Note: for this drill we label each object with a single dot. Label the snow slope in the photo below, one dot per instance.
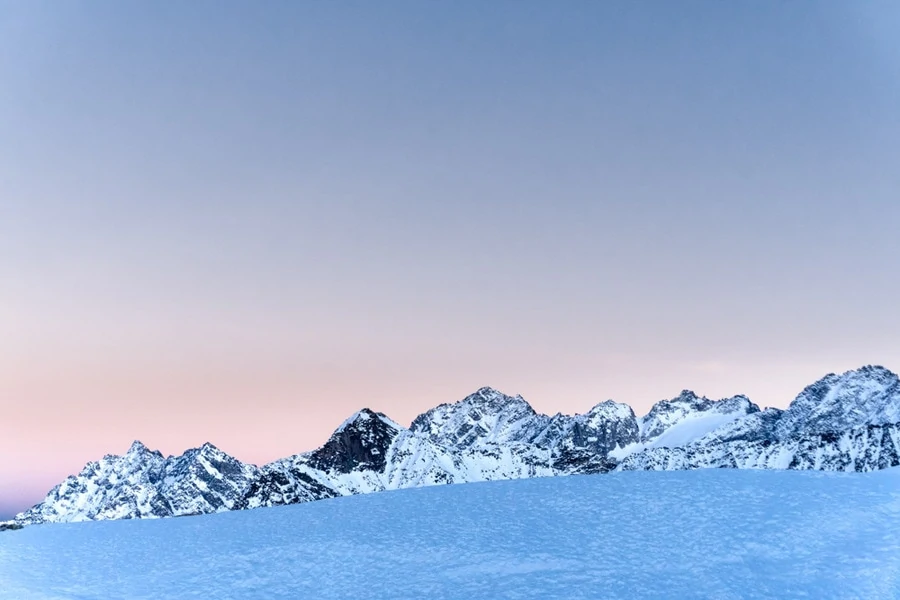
(717, 533)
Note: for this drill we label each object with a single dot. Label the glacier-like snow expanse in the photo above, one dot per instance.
(716, 533)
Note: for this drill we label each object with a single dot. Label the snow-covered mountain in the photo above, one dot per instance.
(848, 422)
(673, 422)
(142, 483)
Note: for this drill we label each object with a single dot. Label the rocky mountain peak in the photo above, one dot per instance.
(611, 409)
(487, 400)
(875, 371)
(361, 442)
(487, 416)
(666, 414)
(606, 426)
(138, 449)
(204, 480)
(366, 419)
(868, 395)
(490, 394)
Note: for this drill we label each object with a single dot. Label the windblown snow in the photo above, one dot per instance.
(715, 533)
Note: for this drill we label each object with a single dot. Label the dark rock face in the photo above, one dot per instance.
(582, 462)
(606, 426)
(848, 422)
(278, 488)
(861, 449)
(359, 444)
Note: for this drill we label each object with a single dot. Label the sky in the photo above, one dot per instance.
(240, 223)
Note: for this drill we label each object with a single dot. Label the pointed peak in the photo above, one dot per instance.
(366, 417)
(490, 394)
(362, 415)
(609, 402)
(488, 400)
(137, 447)
(613, 409)
(867, 395)
(360, 442)
(687, 399)
(207, 448)
(207, 451)
(139, 450)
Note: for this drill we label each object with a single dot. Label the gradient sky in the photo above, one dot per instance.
(240, 223)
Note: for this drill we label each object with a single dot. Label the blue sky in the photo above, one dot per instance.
(240, 223)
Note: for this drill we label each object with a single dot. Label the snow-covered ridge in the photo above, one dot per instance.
(143, 484)
(848, 422)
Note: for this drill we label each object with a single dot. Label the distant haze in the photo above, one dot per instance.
(240, 223)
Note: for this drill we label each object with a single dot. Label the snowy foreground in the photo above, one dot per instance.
(716, 533)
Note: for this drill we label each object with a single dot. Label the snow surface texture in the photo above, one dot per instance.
(848, 422)
(715, 533)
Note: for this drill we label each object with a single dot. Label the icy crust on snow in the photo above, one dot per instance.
(717, 533)
(843, 422)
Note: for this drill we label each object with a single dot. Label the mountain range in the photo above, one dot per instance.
(847, 422)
